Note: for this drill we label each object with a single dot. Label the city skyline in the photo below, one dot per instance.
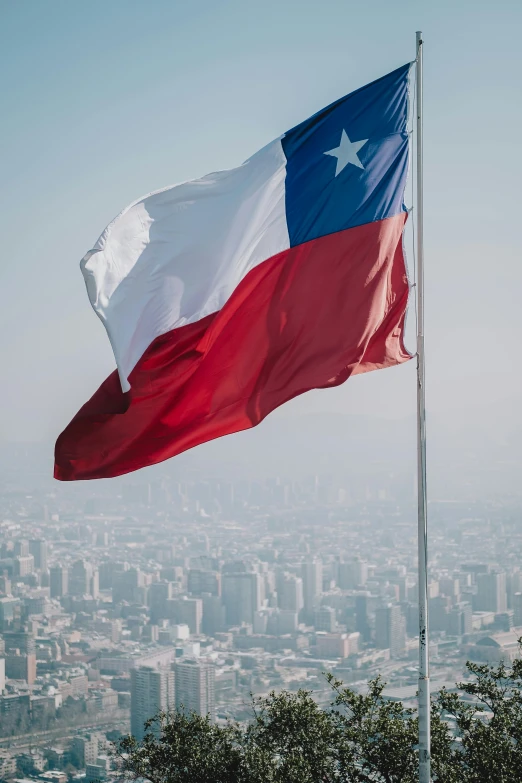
(264, 561)
(197, 593)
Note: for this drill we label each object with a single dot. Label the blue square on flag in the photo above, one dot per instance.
(347, 165)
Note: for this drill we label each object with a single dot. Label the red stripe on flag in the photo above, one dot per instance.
(307, 318)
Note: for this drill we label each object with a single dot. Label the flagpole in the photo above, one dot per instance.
(424, 681)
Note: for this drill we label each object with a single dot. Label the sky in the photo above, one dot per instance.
(106, 100)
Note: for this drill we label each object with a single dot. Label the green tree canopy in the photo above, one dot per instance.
(360, 738)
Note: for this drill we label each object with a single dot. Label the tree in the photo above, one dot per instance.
(290, 740)
(190, 749)
(376, 737)
(490, 727)
(361, 738)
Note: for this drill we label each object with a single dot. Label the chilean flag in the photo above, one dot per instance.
(226, 296)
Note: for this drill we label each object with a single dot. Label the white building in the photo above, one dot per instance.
(152, 691)
(195, 687)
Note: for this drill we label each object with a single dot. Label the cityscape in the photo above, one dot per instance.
(230, 549)
(121, 599)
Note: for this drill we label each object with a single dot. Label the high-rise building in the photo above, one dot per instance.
(325, 619)
(201, 581)
(474, 569)
(312, 574)
(107, 570)
(84, 750)
(23, 565)
(20, 660)
(80, 577)
(362, 621)
(242, 596)
(517, 610)
(235, 567)
(513, 586)
(58, 581)
(214, 615)
(22, 641)
(159, 594)
(332, 645)
(16, 708)
(352, 574)
(10, 613)
(290, 592)
(38, 549)
(439, 608)
(195, 687)
(449, 586)
(126, 583)
(21, 548)
(190, 612)
(491, 592)
(2, 675)
(95, 584)
(5, 584)
(280, 622)
(460, 619)
(21, 667)
(269, 584)
(390, 629)
(152, 691)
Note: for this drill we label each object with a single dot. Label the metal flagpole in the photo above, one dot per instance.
(424, 681)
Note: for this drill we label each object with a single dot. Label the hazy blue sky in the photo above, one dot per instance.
(105, 100)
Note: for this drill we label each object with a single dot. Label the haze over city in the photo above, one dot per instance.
(263, 558)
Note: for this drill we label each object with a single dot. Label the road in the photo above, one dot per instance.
(42, 737)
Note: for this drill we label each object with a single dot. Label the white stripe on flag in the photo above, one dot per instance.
(176, 255)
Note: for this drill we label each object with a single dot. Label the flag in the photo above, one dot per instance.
(226, 296)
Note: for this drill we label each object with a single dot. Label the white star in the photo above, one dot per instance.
(346, 153)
